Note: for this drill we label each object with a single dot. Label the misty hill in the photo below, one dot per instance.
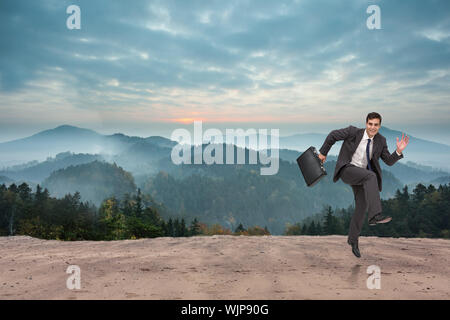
(147, 156)
(5, 180)
(48, 143)
(292, 155)
(78, 140)
(440, 180)
(407, 173)
(19, 167)
(38, 171)
(95, 181)
(143, 157)
(303, 141)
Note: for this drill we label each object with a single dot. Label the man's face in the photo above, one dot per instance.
(372, 127)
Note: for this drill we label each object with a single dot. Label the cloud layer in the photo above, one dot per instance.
(224, 61)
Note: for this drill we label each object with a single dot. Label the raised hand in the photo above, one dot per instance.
(401, 145)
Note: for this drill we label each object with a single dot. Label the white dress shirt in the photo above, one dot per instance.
(359, 158)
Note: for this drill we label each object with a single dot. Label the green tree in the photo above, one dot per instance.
(331, 223)
(319, 229)
(170, 228)
(111, 220)
(240, 228)
(137, 206)
(304, 229)
(194, 228)
(312, 229)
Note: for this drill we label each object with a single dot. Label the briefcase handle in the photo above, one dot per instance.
(317, 157)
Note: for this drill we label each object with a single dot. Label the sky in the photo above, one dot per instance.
(148, 67)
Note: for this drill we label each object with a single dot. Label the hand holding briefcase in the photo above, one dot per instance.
(311, 166)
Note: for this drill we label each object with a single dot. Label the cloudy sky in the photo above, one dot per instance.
(148, 67)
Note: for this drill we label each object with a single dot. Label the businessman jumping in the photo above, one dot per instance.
(358, 166)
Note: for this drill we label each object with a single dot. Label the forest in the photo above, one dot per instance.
(423, 213)
(39, 215)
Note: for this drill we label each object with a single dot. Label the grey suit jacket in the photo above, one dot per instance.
(352, 137)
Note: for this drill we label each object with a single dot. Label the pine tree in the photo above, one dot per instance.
(319, 230)
(240, 228)
(419, 192)
(183, 230)
(194, 228)
(11, 200)
(112, 221)
(138, 207)
(176, 227)
(330, 223)
(312, 229)
(304, 229)
(13, 188)
(170, 228)
(24, 192)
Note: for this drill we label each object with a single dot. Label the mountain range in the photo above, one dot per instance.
(68, 159)
(50, 142)
(40, 154)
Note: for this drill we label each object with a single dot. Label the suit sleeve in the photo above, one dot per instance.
(336, 135)
(387, 157)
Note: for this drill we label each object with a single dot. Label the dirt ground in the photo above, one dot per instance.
(225, 267)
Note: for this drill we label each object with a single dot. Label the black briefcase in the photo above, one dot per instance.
(311, 166)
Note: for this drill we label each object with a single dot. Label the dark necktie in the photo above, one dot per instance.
(368, 155)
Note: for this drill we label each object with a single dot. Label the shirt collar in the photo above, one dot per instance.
(366, 136)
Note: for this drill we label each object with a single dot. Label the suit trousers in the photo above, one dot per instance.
(367, 196)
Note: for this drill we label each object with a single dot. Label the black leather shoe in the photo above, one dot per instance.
(379, 219)
(355, 248)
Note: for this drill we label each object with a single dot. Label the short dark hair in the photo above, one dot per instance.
(373, 115)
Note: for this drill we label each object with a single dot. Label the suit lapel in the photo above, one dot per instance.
(376, 144)
(358, 138)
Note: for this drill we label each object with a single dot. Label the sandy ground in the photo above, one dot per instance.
(225, 267)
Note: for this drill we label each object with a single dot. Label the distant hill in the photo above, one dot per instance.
(407, 173)
(64, 138)
(5, 180)
(36, 171)
(291, 155)
(303, 141)
(95, 181)
(144, 156)
(50, 142)
(441, 180)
